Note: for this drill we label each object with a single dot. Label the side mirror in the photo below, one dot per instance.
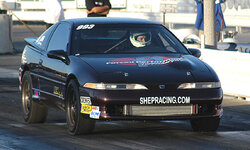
(195, 52)
(59, 54)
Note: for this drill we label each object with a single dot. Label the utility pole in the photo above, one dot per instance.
(209, 23)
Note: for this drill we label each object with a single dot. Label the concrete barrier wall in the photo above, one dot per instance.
(5, 34)
(233, 69)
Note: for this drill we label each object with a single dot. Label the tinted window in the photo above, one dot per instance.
(124, 39)
(60, 38)
(42, 41)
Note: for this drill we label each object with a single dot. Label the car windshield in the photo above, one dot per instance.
(122, 38)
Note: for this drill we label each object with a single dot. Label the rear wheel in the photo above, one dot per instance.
(205, 124)
(76, 123)
(33, 112)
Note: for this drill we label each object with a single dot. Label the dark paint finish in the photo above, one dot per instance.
(51, 70)
(171, 72)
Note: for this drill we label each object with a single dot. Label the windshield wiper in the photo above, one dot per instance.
(86, 53)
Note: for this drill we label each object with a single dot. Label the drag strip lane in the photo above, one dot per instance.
(8, 73)
(234, 132)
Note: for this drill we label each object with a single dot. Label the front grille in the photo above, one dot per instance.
(169, 86)
(139, 110)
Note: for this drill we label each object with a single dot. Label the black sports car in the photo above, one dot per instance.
(117, 69)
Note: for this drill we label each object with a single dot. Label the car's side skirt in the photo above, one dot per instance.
(52, 80)
(56, 91)
(48, 99)
(44, 92)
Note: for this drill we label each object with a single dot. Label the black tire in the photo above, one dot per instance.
(205, 124)
(33, 112)
(76, 122)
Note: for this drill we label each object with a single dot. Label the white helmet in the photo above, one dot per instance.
(134, 38)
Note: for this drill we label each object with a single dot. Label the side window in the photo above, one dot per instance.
(60, 38)
(167, 42)
(42, 41)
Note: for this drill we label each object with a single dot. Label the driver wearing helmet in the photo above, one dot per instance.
(140, 39)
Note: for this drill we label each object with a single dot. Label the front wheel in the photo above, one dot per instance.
(76, 122)
(205, 124)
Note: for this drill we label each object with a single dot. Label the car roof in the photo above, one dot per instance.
(109, 20)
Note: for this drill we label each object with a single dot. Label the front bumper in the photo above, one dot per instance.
(127, 105)
(20, 77)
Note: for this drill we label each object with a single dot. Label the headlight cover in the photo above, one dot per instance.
(200, 85)
(113, 86)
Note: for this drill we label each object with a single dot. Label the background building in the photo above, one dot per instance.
(236, 12)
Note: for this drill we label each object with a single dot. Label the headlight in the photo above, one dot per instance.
(200, 85)
(103, 86)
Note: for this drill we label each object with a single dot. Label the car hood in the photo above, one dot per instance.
(128, 68)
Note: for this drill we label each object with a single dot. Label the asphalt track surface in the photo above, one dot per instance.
(15, 134)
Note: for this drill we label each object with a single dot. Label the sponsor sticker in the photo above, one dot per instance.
(86, 109)
(40, 40)
(85, 100)
(95, 108)
(165, 100)
(95, 114)
(57, 91)
(85, 27)
(144, 61)
(36, 93)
